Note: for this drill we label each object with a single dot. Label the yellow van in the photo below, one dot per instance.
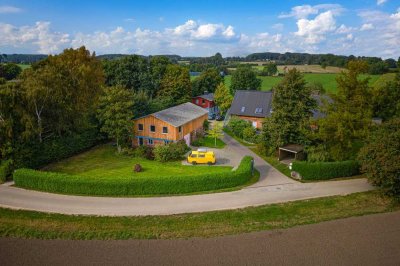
(201, 156)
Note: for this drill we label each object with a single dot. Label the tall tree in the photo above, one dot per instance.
(270, 69)
(62, 90)
(9, 71)
(223, 98)
(176, 85)
(386, 104)
(348, 115)
(244, 78)
(292, 107)
(115, 114)
(216, 132)
(207, 81)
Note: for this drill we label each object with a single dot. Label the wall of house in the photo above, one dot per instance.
(158, 137)
(203, 102)
(258, 120)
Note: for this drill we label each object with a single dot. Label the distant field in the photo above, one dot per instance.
(24, 66)
(301, 68)
(327, 80)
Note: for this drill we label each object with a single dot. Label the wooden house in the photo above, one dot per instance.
(180, 122)
(206, 101)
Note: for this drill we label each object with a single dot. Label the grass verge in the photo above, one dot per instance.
(29, 224)
(274, 162)
(208, 142)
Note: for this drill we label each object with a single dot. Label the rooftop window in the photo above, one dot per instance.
(243, 109)
(258, 110)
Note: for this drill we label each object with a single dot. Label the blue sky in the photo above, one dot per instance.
(202, 28)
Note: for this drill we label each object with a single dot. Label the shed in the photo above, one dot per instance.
(291, 152)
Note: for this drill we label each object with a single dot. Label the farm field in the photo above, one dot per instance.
(327, 80)
(24, 66)
(103, 163)
(303, 68)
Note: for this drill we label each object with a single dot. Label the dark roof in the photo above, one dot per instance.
(180, 114)
(295, 148)
(208, 96)
(246, 102)
(320, 98)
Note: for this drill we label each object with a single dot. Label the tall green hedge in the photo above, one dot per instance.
(5, 170)
(73, 184)
(34, 154)
(325, 170)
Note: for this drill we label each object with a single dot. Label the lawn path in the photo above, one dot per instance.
(273, 187)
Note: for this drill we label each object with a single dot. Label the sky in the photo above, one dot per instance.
(202, 28)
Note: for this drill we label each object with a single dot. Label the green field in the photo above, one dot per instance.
(29, 224)
(103, 163)
(24, 66)
(327, 80)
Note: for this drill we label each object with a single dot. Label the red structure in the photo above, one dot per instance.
(206, 101)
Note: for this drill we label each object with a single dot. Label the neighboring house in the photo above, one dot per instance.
(254, 106)
(180, 122)
(251, 105)
(207, 101)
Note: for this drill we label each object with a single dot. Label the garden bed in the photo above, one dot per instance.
(102, 172)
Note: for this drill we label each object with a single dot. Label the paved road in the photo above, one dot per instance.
(273, 187)
(368, 240)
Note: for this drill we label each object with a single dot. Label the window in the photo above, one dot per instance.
(203, 101)
(243, 109)
(140, 127)
(193, 155)
(258, 110)
(197, 101)
(165, 130)
(140, 141)
(180, 129)
(153, 128)
(150, 141)
(202, 155)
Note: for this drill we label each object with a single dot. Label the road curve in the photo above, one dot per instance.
(273, 187)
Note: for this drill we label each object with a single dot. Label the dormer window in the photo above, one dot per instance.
(243, 109)
(259, 110)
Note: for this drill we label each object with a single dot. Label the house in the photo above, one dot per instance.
(180, 122)
(251, 105)
(254, 106)
(207, 101)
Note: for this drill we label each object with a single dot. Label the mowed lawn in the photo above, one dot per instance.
(328, 81)
(103, 162)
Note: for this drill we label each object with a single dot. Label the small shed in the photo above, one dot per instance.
(291, 152)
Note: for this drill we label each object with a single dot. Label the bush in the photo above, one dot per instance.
(317, 154)
(249, 134)
(145, 152)
(78, 185)
(171, 151)
(35, 155)
(237, 126)
(206, 125)
(325, 170)
(5, 170)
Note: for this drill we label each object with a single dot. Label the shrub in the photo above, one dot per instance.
(237, 126)
(249, 134)
(137, 168)
(145, 152)
(206, 125)
(73, 184)
(325, 170)
(5, 170)
(317, 154)
(171, 151)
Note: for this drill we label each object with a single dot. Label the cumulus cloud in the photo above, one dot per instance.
(343, 29)
(314, 30)
(39, 35)
(304, 11)
(9, 9)
(367, 26)
(203, 31)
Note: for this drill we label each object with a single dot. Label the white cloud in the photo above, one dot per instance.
(203, 31)
(304, 11)
(278, 26)
(343, 29)
(38, 35)
(367, 26)
(314, 30)
(9, 9)
(380, 2)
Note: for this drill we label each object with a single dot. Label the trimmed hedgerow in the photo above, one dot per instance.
(74, 184)
(5, 170)
(326, 170)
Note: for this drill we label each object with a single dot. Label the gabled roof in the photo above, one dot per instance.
(208, 96)
(180, 114)
(247, 102)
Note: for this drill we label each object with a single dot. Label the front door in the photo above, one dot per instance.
(140, 141)
(187, 139)
(254, 123)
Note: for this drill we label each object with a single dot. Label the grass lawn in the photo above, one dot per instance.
(24, 66)
(209, 142)
(102, 162)
(29, 224)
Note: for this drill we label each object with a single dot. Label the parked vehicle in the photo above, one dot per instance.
(201, 156)
(219, 117)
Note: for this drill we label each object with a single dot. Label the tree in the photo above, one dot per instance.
(348, 115)
(216, 132)
(207, 81)
(158, 67)
(115, 113)
(244, 78)
(9, 71)
(270, 69)
(378, 68)
(292, 107)
(386, 104)
(62, 90)
(223, 98)
(380, 157)
(141, 104)
(176, 84)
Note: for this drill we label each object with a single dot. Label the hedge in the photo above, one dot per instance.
(35, 154)
(78, 185)
(5, 170)
(325, 170)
